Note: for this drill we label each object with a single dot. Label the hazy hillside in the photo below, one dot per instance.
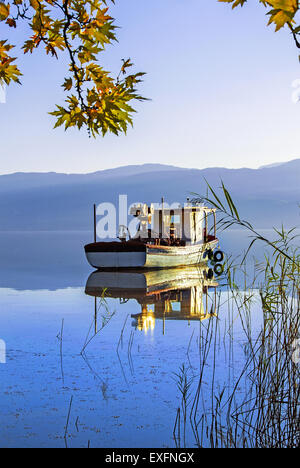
(21, 180)
(267, 196)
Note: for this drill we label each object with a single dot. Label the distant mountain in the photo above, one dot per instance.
(271, 165)
(28, 180)
(267, 196)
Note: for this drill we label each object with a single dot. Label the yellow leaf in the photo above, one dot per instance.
(287, 5)
(4, 11)
(280, 18)
(35, 4)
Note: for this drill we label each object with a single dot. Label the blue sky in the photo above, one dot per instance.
(220, 83)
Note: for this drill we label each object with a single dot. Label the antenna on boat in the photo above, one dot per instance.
(95, 223)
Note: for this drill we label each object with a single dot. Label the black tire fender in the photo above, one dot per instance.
(219, 269)
(210, 274)
(218, 256)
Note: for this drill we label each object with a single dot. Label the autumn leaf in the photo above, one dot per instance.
(11, 22)
(68, 84)
(81, 30)
(4, 11)
(280, 18)
(281, 13)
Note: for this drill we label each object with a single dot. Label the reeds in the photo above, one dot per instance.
(259, 406)
(184, 381)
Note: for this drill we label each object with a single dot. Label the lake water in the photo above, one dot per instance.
(110, 365)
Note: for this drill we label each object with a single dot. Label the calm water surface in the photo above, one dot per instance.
(123, 386)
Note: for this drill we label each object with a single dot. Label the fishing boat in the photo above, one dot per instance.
(165, 238)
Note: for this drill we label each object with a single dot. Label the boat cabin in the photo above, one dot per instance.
(165, 237)
(179, 226)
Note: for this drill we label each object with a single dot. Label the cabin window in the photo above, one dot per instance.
(175, 219)
(176, 306)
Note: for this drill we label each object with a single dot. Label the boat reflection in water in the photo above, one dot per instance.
(170, 294)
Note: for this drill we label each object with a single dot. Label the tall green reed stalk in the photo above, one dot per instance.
(266, 413)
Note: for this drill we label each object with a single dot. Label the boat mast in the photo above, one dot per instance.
(95, 223)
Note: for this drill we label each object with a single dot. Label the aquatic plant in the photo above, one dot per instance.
(261, 407)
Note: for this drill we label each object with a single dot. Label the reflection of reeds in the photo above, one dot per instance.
(60, 338)
(106, 317)
(176, 430)
(120, 342)
(122, 332)
(67, 423)
(130, 343)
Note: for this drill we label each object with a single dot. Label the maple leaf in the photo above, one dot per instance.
(4, 11)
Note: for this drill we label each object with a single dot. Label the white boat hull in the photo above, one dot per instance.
(153, 257)
(116, 259)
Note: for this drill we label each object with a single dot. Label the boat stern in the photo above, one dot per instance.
(115, 255)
